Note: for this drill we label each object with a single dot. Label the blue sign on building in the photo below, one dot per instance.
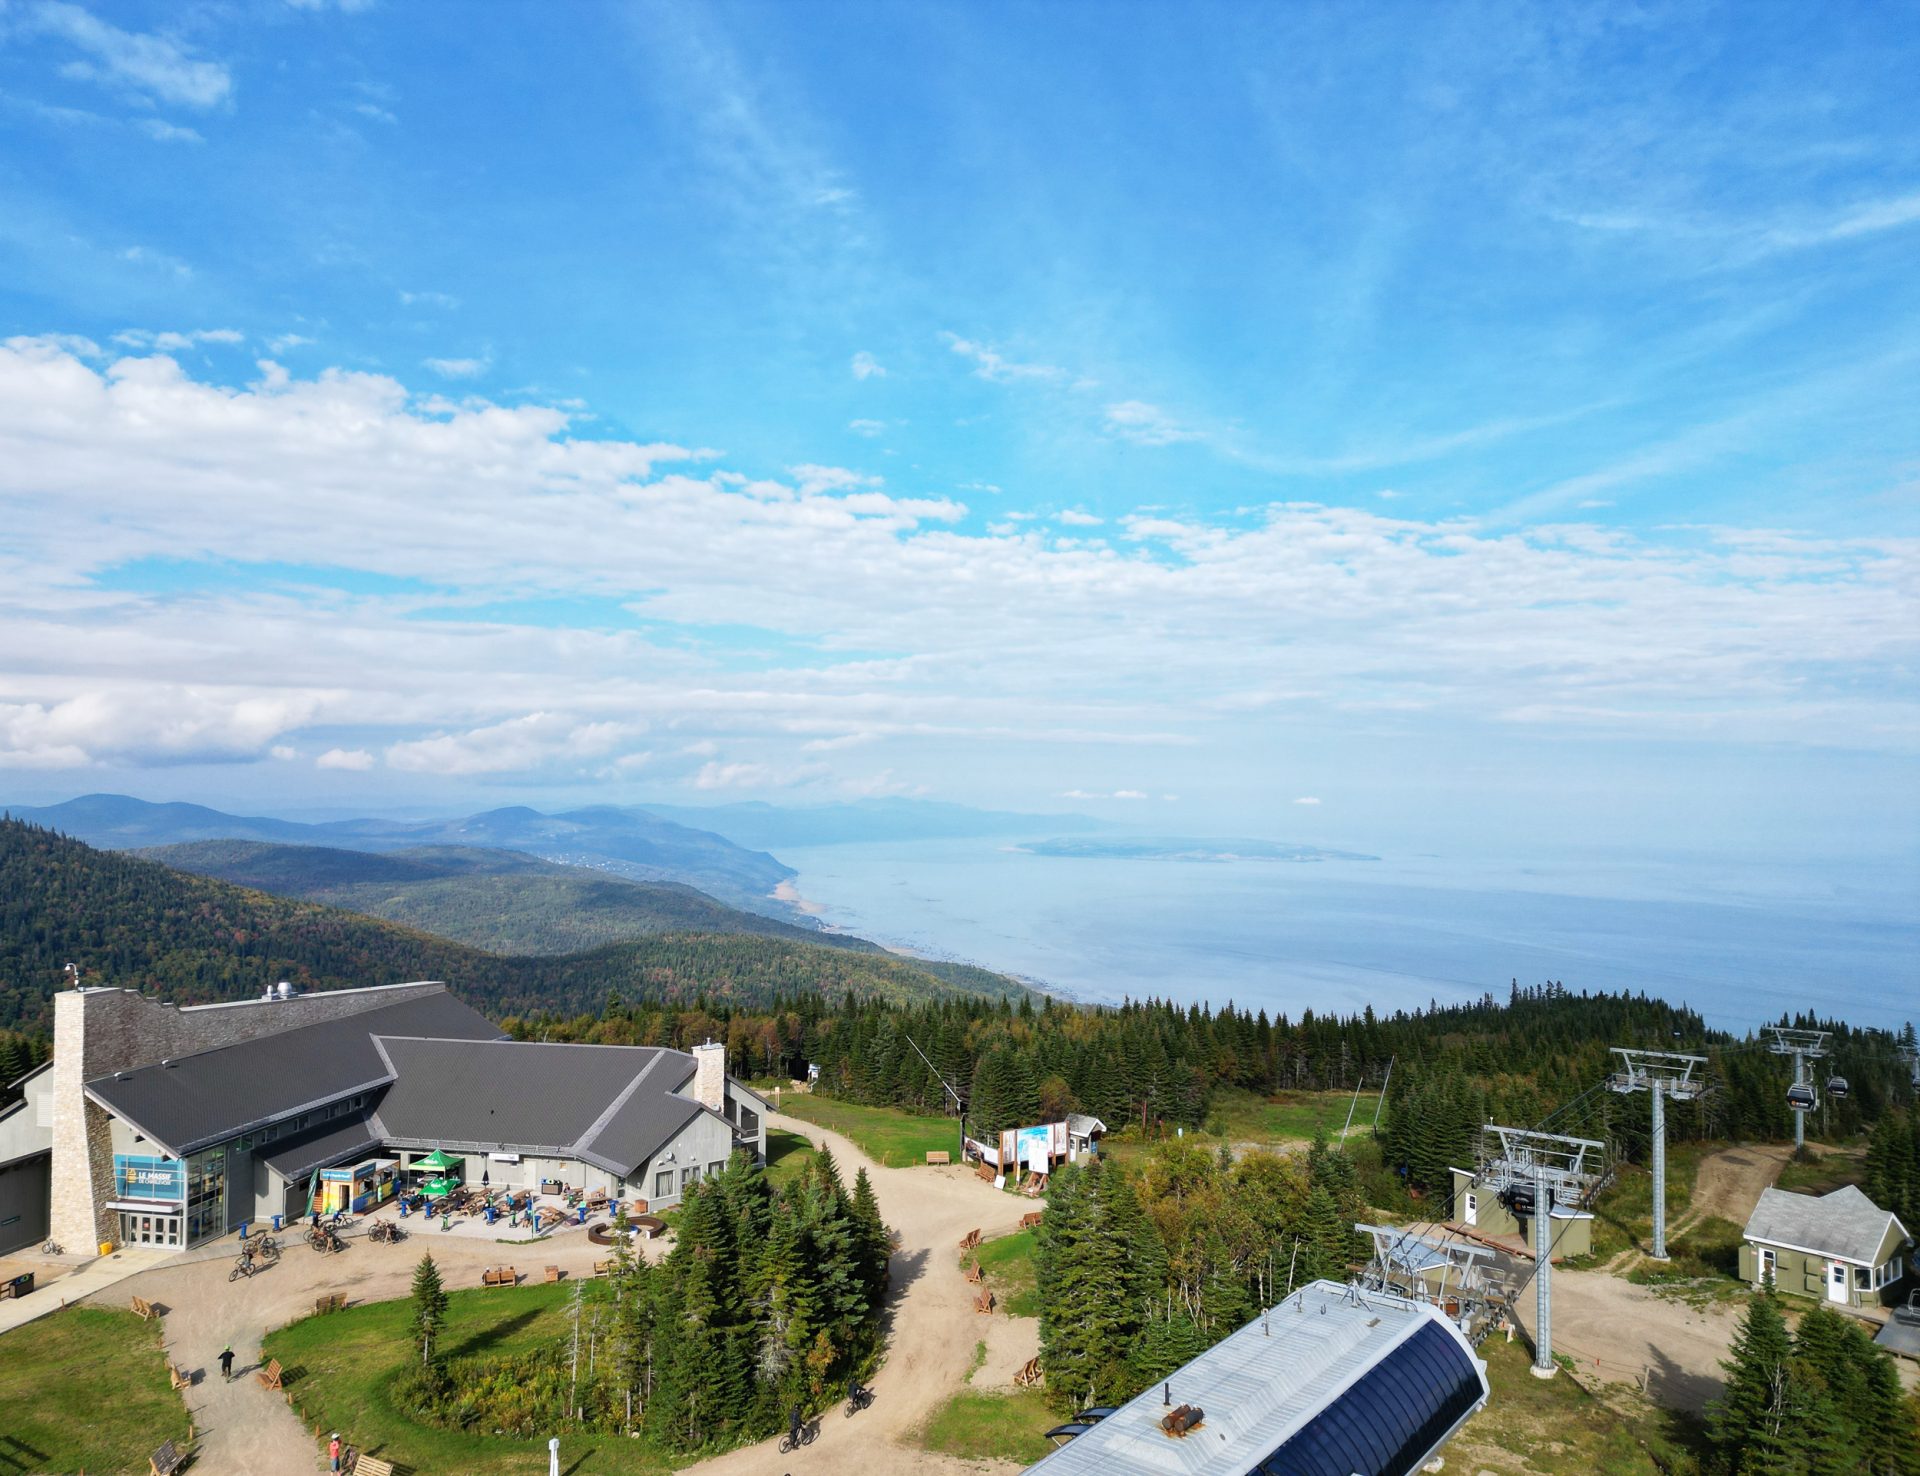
(136, 1176)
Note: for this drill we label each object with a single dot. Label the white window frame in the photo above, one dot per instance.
(1768, 1266)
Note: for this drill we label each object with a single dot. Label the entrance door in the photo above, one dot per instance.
(1837, 1282)
(1472, 1216)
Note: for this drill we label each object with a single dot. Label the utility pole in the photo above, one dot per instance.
(1383, 1091)
(1547, 1168)
(1803, 1046)
(1662, 1074)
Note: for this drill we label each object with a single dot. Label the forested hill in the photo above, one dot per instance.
(498, 900)
(137, 924)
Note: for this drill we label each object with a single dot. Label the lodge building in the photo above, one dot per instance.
(164, 1125)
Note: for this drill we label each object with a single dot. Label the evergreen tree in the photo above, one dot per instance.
(1747, 1425)
(429, 1306)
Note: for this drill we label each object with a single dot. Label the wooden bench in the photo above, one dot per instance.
(605, 1268)
(499, 1276)
(1027, 1222)
(970, 1240)
(181, 1378)
(1029, 1374)
(650, 1225)
(144, 1310)
(939, 1155)
(975, 1275)
(367, 1465)
(166, 1460)
(597, 1200)
(331, 1302)
(984, 1302)
(269, 1376)
(553, 1273)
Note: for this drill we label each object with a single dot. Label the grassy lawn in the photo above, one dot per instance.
(1704, 1265)
(341, 1368)
(1822, 1173)
(1287, 1117)
(85, 1389)
(1007, 1261)
(978, 1426)
(1555, 1426)
(885, 1134)
(787, 1154)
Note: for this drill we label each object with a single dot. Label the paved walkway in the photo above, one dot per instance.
(76, 1280)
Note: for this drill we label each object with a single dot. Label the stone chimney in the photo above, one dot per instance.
(710, 1076)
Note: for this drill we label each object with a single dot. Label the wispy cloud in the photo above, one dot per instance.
(867, 428)
(149, 64)
(375, 112)
(162, 131)
(173, 343)
(353, 760)
(865, 366)
(429, 299)
(460, 368)
(989, 363)
(1073, 517)
(1307, 799)
(1146, 425)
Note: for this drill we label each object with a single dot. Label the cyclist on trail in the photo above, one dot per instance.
(793, 1424)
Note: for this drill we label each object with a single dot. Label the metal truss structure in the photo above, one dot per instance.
(1430, 1268)
(1661, 1074)
(1803, 1046)
(1557, 1170)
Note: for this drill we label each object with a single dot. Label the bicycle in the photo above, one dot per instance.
(792, 1441)
(269, 1248)
(244, 1266)
(52, 1248)
(859, 1399)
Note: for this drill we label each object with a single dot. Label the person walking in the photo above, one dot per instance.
(333, 1451)
(226, 1363)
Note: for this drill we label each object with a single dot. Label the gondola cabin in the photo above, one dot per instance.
(1837, 1087)
(1800, 1096)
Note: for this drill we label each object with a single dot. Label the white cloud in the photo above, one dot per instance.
(161, 131)
(429, 299)
(148, 257)
(355, 760)
(152, 65)
(282, 342)
(173, 343)
(1307, 799)
(283, 751)
(1118, 794)
(865, 366)
(734, 776)
(804, 610)
(990, 363)
(868, 428)
(375, 112)
(1145, 425)
(459, 368)
(1074, 518)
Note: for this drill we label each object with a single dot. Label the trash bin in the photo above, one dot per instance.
(245, 1226)
(276, 1222)
(21, 1284)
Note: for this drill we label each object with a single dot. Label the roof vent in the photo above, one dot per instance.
(166, 1063)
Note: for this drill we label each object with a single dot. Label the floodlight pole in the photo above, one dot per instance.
(1555, 1167)
(1661, 1074)
(1803, 1046)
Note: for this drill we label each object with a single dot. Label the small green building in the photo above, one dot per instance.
(1839, 1247)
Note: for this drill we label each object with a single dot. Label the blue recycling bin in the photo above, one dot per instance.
(245, 1225)
(276, 1222)
(580, 1215)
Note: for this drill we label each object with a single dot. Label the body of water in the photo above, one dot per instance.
(1740, 944)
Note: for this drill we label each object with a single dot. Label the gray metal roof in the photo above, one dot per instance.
(608, 1105)
(1270, 1382)
(1845, 1224)
(199, 1100)
(300, 1156)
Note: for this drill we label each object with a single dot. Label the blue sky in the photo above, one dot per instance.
(1482, 421)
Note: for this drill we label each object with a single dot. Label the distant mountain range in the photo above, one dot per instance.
(504, 901)
(632, 843)
(1177, 848)
(127, 921)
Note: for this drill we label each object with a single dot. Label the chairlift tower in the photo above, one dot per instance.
(1403, 1261)
(1555, 1169)
(1661, 1074)
(1803, 1046)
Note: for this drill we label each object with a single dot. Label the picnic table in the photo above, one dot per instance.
(499, 1276)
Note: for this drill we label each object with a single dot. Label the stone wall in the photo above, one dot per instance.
(97, 1031)
(710, 1075)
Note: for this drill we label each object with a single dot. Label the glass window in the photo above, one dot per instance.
(687, 1176)
(715, 1170)
(663, 1184)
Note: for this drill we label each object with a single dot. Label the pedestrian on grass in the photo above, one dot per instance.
(226, 1363)
(333, 1451)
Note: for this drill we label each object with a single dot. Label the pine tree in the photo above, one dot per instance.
(429, 1306)
(1746, 1425)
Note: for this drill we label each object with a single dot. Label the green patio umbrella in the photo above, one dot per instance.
(434, 1188)
(436, 1160)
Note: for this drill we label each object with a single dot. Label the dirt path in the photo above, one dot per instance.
(1727, 1186)
(932, 1327)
